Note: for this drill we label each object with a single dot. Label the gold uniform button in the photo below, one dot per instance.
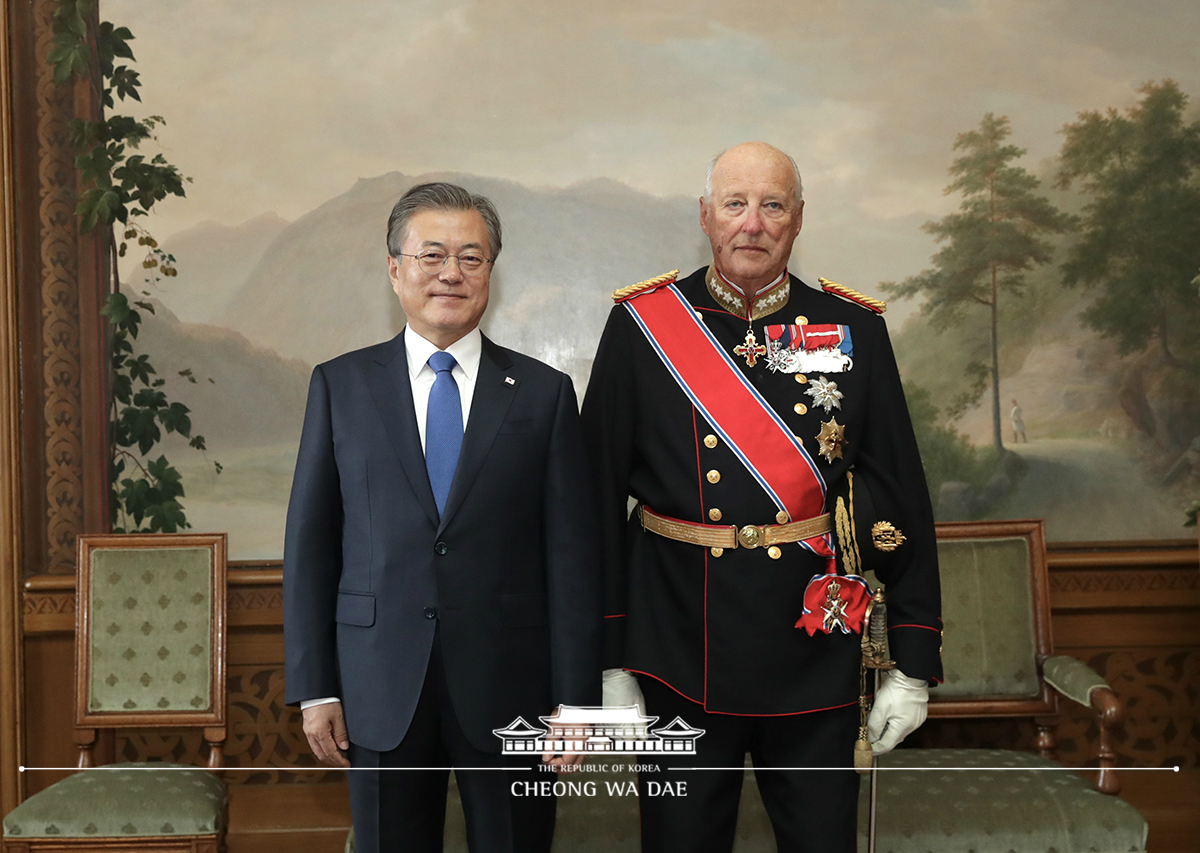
(716, 552)
(774, 553)
(801, 408)
(714, 514)
(799, 439)
(801, 378)
(781, 517)
(710, 441)
(801, 320)
(714, 476)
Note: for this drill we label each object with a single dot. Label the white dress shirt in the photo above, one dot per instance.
(467, 351)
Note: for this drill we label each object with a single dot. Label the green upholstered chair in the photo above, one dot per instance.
(149, 653)
(999, 661)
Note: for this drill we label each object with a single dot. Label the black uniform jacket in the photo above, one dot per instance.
(720, 629)
(509, 575)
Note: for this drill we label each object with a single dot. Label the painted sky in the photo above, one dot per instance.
(279, 106)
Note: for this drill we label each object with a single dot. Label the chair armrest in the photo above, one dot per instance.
(1072, 678)
(1080, 683)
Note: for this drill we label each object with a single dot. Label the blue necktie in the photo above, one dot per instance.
(443, 428)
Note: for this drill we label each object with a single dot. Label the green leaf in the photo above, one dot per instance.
(175, 419)
(150, 398)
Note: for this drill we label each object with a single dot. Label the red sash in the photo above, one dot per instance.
(734, 407)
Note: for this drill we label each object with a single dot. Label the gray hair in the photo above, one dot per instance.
(713, 164)
(440, 195)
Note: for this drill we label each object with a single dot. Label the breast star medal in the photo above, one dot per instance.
(750, 348)
(830, 439)
(824, 393)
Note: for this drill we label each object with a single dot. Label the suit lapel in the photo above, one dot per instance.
(392, 392)
(493, 396)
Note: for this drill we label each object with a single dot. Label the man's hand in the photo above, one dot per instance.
(900, 707)
(559, 761)
(621, 690)
(325, 728)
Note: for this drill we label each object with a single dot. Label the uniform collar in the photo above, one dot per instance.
(733, 299)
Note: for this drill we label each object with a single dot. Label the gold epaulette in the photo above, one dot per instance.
(876, 305)
(643, 286)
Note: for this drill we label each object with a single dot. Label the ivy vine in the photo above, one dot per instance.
(120, 184)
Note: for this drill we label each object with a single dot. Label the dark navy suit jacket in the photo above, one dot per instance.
(509, 575)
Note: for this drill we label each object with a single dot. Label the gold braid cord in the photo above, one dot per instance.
(649, 284)
(845, 537)
(853, 530)
(876, 305)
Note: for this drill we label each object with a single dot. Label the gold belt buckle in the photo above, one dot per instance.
(752, 536)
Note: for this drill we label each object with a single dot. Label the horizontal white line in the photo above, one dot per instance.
(1174, 769)
(259, 769)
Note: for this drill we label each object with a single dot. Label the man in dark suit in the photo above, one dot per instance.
(761, 426)
(440, 563)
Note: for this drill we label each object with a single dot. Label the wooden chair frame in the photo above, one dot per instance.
(88, 722)
(212, 721)
(1043, 708)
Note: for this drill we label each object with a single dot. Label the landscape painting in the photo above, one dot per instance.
(1021, 182)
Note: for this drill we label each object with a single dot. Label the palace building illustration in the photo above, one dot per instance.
(620, 729)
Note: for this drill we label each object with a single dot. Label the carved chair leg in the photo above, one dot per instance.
(1110, 713)
(1047, 739)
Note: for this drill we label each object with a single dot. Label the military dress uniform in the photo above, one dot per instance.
(711, 631)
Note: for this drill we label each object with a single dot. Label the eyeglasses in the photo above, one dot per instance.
(433, 261)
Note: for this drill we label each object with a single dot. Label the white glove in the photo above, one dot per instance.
(900, 706)
(621, 690)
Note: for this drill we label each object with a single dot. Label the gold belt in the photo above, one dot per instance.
(731, 536)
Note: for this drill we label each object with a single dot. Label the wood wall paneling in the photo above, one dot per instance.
(11, 672)
(1133, 617)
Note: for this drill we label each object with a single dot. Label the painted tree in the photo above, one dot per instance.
(1140, 242)
(996, 236)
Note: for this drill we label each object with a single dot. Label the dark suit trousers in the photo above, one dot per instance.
(812, 811)
(405, 810)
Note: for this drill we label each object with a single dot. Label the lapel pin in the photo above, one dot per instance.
(508, 380)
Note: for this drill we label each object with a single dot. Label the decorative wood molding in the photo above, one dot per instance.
(12, 782)
(60, 343)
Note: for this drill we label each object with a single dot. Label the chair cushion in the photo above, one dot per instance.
(130, 799)
(1026, 803)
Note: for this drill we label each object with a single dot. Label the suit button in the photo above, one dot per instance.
(710, 441)
(441, 548)
(430, 612)
(801, 409)
(713, 476)
(714, 514)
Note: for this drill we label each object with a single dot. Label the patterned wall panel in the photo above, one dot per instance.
(60, 344)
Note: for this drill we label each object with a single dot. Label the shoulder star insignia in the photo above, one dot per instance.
(645, 286)
(876, 305)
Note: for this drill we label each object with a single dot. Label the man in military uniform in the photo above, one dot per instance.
(761, 426)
